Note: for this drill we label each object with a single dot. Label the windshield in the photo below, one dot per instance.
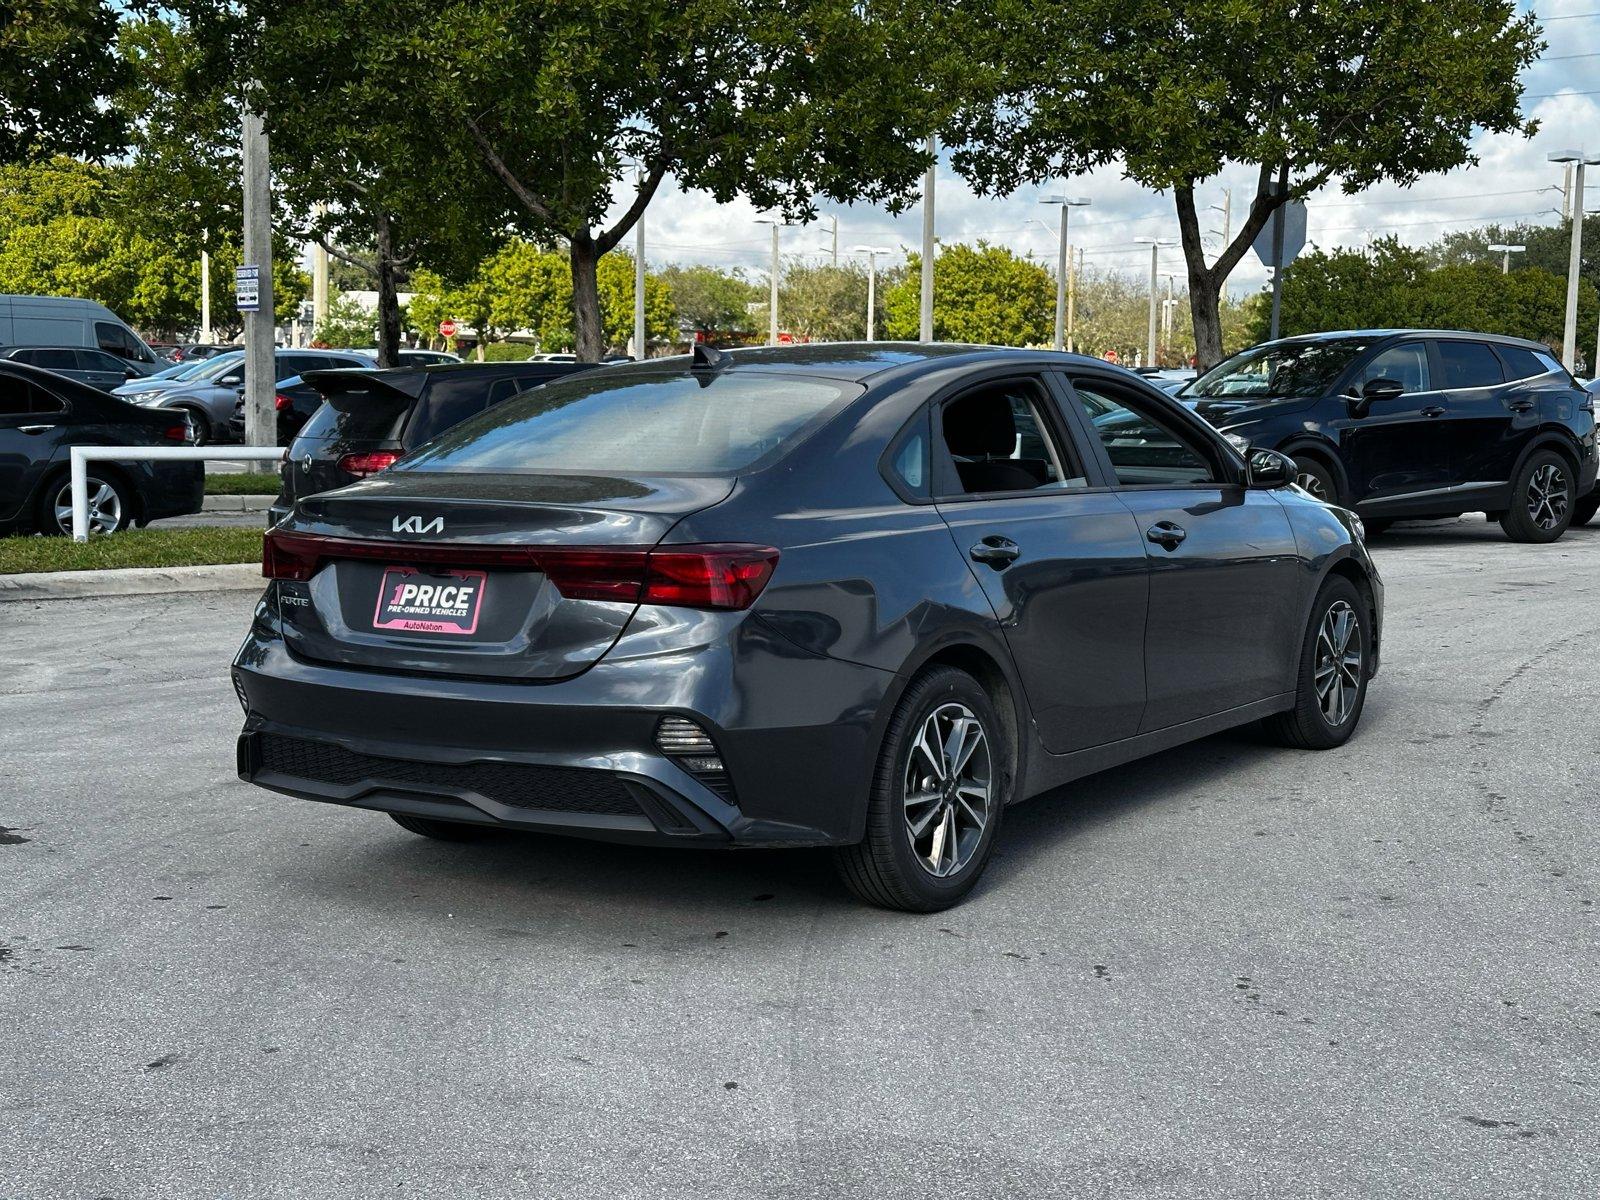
(1279, 370)
(658, 424)
(210, 368)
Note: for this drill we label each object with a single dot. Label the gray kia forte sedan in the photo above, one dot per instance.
(861, 596)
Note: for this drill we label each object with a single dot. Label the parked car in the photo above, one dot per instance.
(863, 596)
(43, 415)
(207, 350)
(177, 375)
(370, 418)
(210, 396)
(424, 358)
(66, 321)
(1401, 424)
(94, 367)
(555, 358)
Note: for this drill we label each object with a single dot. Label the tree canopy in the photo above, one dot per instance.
(981, 293)
(57, 65)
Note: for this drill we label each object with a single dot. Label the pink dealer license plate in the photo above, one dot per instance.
(414, 601)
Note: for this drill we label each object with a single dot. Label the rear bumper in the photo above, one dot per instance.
(796, 733)
(169, 489)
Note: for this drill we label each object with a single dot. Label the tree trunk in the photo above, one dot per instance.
(586, 324)
(388, 297)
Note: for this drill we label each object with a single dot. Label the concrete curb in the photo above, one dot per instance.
(130, 581)
(247, 504)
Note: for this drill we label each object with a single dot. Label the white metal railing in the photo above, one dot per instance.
(83, 455)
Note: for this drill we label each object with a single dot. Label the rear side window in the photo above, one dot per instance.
(19, 398)
(651, 424)
(450, 400)
(1469, 365)
(1406, 364)
(1520, 363)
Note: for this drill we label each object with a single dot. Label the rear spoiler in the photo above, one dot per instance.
(367, 383)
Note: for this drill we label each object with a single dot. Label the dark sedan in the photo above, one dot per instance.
(858, 596)
(42, 416)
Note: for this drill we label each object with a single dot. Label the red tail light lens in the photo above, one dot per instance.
(370, 463)
(282, 402)
(719, 576)
(179, 433)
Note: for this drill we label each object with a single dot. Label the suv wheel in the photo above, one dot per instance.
(110, 506)
(1313, 477)
(940, 788)
(1332, 684)
(1541, 499)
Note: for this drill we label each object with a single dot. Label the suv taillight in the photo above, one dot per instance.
(179, 433)
(369, 462)
(280, 402)
(727, 576)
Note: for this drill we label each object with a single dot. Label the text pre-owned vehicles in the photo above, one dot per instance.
(68, 321)
(370, 418)
(852, 595)
(1415, 423)
(94, 367)
(210, 396)
(42, 416)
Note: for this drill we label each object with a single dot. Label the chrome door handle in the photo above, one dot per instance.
(1433, 410)
(1165, 533)
(34, 428)
(1520, 405)
(996, 551)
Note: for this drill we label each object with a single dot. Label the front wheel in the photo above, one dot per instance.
(1541, 499)
(1331, 687)
(940, 787)
(1316, 479)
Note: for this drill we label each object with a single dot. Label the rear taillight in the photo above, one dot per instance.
(369, 463)
(282, 402)
(720, 576)
(179, 433)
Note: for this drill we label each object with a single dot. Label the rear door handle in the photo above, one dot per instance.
(1433, 410)
(1165, 533)
(998, 552)
(34, 428)
(1520, 405)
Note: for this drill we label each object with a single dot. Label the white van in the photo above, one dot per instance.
(63, 321)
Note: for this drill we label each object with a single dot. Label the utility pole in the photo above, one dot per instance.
(1074, 269)
(777, 224)
(205, 291)
(1575, 161)
(836, 243)
(319, 278)
(260, 373)
(1166, 317)
(1155, 266)
(641, 343)
(1063, 253)
(926, 331)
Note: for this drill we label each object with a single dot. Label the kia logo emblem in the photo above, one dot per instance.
(415, 524)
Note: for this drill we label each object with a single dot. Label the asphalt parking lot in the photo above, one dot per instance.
(1228, 970)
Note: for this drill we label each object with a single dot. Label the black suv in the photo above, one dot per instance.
(363, 420)
(1403, 424)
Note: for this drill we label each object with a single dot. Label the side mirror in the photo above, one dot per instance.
(230, 380)
(1269, 469)
(1375, 389)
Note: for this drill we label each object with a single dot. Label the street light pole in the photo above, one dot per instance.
(1576, 160)
(205, 293)
(872, 253)
(1155, 253)
(1067, 203)
(1505, 253)
(1074, 269)
(260, 375)
(925, 331)
(641, 344)
(777, 265)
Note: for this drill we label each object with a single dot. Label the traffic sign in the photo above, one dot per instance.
(1293, 216)
(247, 288)
(447, 328)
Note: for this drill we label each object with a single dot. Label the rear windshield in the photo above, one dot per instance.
(607, 422)
(359, 415)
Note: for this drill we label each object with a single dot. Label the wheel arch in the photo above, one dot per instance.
(1349, 566)
(1549, 439)
(1324, 455)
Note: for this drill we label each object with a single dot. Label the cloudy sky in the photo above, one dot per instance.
(1563, 92)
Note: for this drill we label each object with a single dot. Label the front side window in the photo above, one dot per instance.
(1406, 364)
(1144, 451)
(1280, 370)
(649, 425)
(1469, 365)
(998, 441)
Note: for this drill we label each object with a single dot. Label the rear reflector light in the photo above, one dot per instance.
(720, 576)
(369, 463)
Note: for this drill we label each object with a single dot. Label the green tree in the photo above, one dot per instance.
(824, 303)
(348, 325)
(982, 294)
(1547, 247)
(562, 106)
(710, 299)
(1357, 92)
(57, 70)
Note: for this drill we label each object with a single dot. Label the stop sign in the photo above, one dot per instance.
(447, 328)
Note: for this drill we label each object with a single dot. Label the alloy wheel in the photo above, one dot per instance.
(105, 507)
(948, 789)
(1313, 484)
(1548, 496)
(1339, 663)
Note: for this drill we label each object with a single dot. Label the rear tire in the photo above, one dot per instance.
(110, 505)
(1583, 511)
(1312, 476)
(1541, 499)
(442, 831)
(939, 791)
(1331, 686)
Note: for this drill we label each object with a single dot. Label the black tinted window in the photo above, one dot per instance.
(450, 400)
(19, 398)
(1280, 369)
(114, 339)
(1406, 364)
(1143, 449)
(1469, 365)
(1520, 363)
(54, 360)
(359, 415)
(650, 424)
